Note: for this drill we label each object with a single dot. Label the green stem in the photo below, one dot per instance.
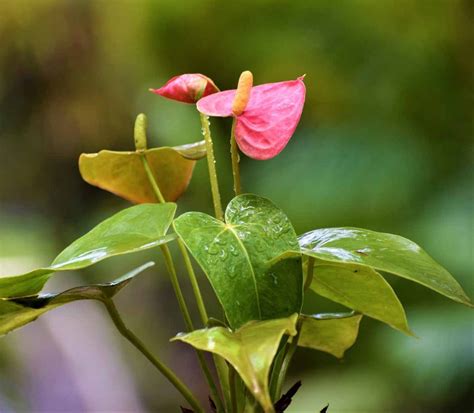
(177, 289)
(286, 362)
(187, 319)
(211, 165)
(221, 366)
(152, 180)
(234, 152)
(194, 283)
(163, 369)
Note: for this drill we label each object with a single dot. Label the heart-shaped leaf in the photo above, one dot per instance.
(123, 174)
(131, 230)
(250, 349)
(16, 312)
(331, 333)
(235, 256)
(361, 289)
(384, 252)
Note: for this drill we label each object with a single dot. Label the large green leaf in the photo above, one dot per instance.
(123, 174)
(331, 333)
(384, 252)
(235, 256)
(361, 289)
(16, 312)
(133, 229)
(250, 349)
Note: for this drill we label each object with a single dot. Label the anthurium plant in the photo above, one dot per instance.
(259, 268)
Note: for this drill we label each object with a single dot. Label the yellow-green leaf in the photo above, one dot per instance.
(123, 174)
(383, 252)
(250, 349)
(331, 333)
(361, 289)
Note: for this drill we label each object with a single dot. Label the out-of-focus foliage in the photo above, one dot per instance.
(384, 143)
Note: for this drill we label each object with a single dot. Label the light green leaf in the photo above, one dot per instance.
(16, 312)
(250, 349)
(331, 333)
(384, 252)
(235, 255)
(131, 230)
(361, 289)
(123, 174)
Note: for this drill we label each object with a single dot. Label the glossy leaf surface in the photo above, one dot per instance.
(384, 252)
(331, 333)
(131, 230)
(250, 350)
(16, 312)
(123, 174)
(361, 289)
(235, 256)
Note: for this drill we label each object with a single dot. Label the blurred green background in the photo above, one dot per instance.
(385, 142)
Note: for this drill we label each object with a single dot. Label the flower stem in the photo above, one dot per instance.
(221, 366)
(194, 283)
(163, 369)
(234, 152)
(177, 289)
(187, 319)
(211, 165)
(152, 180)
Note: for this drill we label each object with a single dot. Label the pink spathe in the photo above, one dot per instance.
(268, 122)
(187, 88)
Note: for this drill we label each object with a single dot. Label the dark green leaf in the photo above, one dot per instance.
(384, 252)
(16, 312)
(250, 349)
(123, 174)
(235, 255)
(361, 289)
(331, 333)
(131, 230)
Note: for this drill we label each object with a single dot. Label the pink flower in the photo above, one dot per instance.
(188, 88)
(266, 115)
